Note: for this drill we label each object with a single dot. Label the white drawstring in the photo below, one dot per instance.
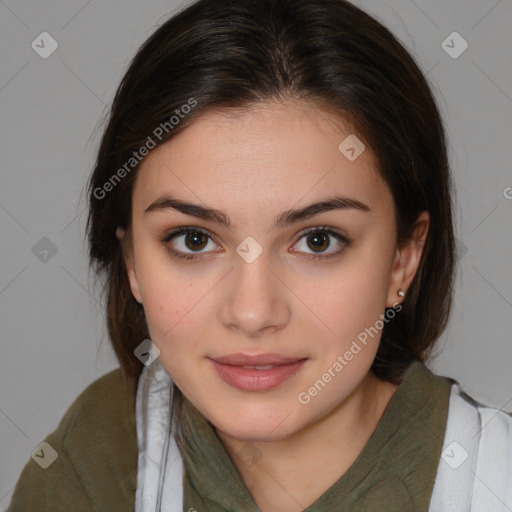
(160, 465)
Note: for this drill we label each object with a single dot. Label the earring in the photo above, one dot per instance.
(401, 293)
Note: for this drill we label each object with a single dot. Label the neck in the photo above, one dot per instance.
(281, 480)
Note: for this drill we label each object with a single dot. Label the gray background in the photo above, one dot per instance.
(53, 337)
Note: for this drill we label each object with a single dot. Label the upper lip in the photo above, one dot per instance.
(256, 360)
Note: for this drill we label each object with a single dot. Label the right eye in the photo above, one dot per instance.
(192, 238)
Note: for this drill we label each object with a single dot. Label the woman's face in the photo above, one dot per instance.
(301, 295)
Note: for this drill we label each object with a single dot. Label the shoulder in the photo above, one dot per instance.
(109, 400)
(95, 445)
(102, 412)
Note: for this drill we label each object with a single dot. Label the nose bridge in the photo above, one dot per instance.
(255, 298)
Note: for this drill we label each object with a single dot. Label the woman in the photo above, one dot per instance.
(271, 209)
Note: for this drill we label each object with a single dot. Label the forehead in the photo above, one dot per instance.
(259, 159)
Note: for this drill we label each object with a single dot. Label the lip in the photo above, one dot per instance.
(240, 359)
(230, 369)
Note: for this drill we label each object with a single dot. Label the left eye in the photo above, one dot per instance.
(317, 239)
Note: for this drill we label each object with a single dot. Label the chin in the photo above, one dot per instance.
(249, 433)
(255, 425)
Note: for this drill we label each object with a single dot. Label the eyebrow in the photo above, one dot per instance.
(283, 219)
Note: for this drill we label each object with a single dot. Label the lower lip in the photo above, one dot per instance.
(256, 380)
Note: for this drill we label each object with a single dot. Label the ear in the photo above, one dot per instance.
(407, 260)
(129, 262)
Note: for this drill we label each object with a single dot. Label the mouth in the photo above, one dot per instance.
(256, 372)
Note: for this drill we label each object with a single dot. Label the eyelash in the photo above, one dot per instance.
(191, 229)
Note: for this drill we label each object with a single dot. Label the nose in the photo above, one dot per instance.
(254, 300)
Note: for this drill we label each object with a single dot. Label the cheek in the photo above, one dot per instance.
(166, 297)
(349, 297)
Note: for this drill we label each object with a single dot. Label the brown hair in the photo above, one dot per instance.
(235, 53)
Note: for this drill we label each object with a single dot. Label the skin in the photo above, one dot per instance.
(253, 165)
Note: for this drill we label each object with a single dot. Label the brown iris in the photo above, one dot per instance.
(196, 240)
(320, 241)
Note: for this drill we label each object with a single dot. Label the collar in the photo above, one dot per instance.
(395, 470)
